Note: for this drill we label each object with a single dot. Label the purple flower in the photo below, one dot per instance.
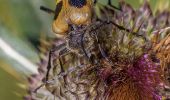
(147, 76)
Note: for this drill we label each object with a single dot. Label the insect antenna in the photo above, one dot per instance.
(55, 12)
(48, 10)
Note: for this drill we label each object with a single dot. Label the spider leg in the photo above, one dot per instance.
(127, 30)
(101, 50)
(83, 48)
(120, 27)
(62, 68)
(49, 64)
(38, 88)
(110, 4)
(59, 48)
(62, 71)
(48, 70)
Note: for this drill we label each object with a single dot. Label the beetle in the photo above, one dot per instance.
(72, 12)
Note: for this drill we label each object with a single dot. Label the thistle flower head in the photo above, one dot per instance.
(118, 59)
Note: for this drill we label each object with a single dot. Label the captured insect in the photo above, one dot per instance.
(72, 12)
(69, 12)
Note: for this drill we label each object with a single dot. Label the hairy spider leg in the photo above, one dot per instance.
(110, 4)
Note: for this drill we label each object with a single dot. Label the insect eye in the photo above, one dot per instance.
(58, 9)
(77, 3)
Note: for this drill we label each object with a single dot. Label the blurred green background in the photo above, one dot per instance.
(22, 24)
